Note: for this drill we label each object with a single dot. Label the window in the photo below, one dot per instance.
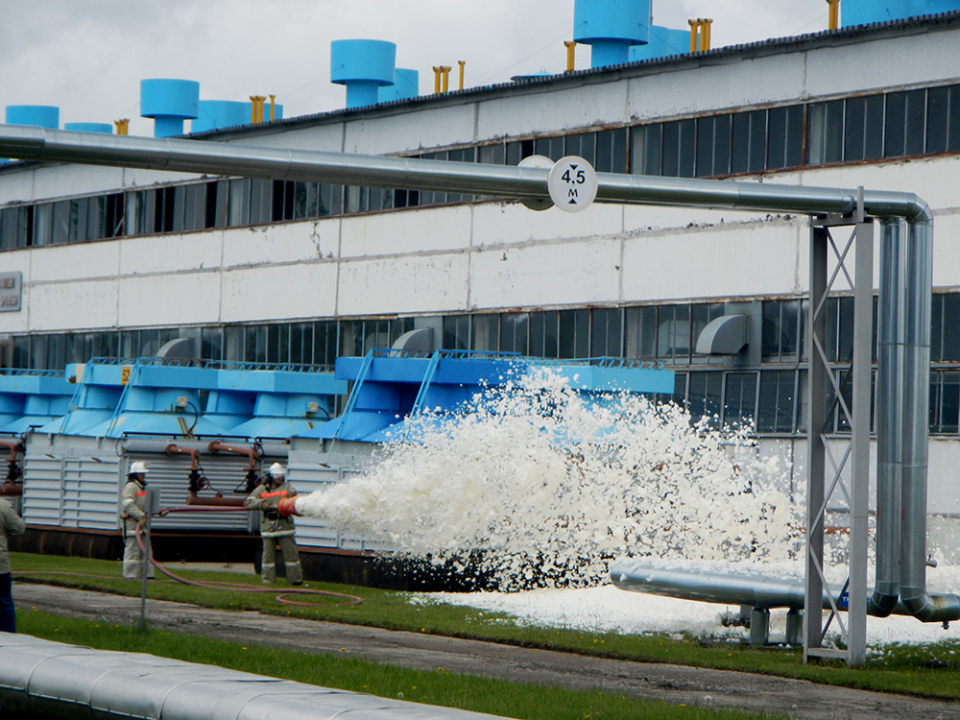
(740, 399)
(825, 133)
(678, 152)
(544, 334)
(574, 333)
(456, 332)
(944, 401)
(704, 395)
(513, 332)
(641, 333)
(713, 146)
(748, 145)
(781, 330)
(486, 333)
(785, 137)
(606, 333)
(645, 152)
(775, 411)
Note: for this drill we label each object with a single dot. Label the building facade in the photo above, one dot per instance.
(116, 262)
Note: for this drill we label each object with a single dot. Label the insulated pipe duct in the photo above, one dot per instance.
(722, 588)
(44, 679)
(214, 158)
(902, 371)
(889, 415)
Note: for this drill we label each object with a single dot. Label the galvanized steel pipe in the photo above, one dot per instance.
(906, 259)
(44, 679)
(216, 158)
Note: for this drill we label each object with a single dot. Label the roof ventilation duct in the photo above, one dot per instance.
(364, 66)
(406, 85)
(104, 128)
(610, 27)
(664, 42)
(169, 103)
(220, 114)
(864, 12)
(45, 116)
(726, 335)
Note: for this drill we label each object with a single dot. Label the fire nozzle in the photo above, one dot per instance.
(288, 506)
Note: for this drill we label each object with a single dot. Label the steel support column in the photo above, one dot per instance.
(855, 383)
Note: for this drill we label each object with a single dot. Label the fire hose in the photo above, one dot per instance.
(211, 584)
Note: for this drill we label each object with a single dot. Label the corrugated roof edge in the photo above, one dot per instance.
(807, 39)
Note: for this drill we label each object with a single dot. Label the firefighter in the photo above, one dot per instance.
(10, 524)
(275, 529)
(133, 502)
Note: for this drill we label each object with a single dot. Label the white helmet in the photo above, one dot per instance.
(137, 468)
(278, 470)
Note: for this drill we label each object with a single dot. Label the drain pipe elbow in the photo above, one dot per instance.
(927, 607)
(882, 604)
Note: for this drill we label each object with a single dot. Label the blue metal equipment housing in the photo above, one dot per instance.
(610, 27)
(390, 387)
(45, 116)
(148, 396)
(406, 85)
(364, 66)
(32, 398)
(865, 12)
(664, 42)
(103, 128)
(169, 102)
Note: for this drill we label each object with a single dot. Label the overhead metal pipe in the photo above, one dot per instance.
(215, 158)
(906, 259)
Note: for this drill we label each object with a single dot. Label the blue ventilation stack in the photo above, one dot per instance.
(664, 42)
(103, 128)
(169, 103)
(45, 116)
(364, 66)
(217, 114)
(406, 85)
(864, 12)
(610, 27)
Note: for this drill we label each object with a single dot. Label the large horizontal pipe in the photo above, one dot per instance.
(44, 679)
(732, 589)
(231, 159)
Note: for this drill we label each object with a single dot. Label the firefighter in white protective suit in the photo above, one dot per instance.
(274, 528)
(133, 502)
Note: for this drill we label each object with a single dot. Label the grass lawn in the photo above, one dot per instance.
(927, 670)
(438, 687)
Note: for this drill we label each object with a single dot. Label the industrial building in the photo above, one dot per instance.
(99, 262)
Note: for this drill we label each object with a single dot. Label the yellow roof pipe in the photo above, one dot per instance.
(441, 79)
(461, 63)
(571, 46)
(122, 125)
(834, 13)
(256, 109)
(699, 34)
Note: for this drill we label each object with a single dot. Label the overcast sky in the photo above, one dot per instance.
(88, 56)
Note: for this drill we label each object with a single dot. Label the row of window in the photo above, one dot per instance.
(917, 122)
(767, 395)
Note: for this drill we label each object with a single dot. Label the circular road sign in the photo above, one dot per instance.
(572, 184)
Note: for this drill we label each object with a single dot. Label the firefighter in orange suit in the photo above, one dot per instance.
(275, 529)
(133, 502)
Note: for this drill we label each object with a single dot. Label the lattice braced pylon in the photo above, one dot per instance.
(823, 445)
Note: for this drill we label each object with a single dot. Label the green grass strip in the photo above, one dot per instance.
(923, 670)
(438, 687)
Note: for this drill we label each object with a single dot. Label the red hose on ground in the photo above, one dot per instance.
(281, 598)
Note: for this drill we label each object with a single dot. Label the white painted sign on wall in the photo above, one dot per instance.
(572, 184)
(10, 291)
